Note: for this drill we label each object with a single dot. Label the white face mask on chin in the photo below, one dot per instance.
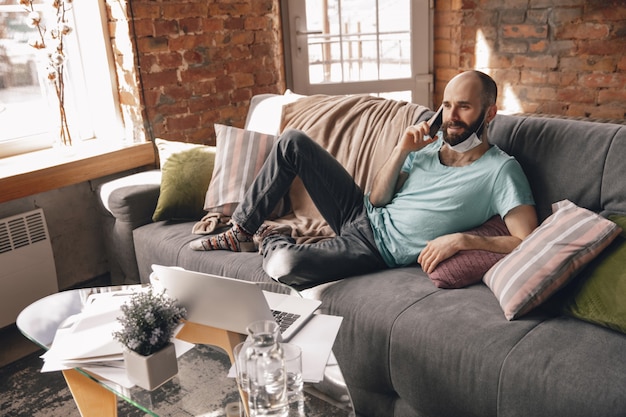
(467, 145)
(470, 143)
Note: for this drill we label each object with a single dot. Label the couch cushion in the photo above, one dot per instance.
(370, 305)
(447, 350)
(167, 243)
(613, 192)
(552, 153)
(565, 367)
(547, 259)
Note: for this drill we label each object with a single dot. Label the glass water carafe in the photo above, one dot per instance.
(266, 384)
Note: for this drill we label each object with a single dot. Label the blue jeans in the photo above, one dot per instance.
(337, 197)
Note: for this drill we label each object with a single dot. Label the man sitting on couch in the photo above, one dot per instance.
(429, 190)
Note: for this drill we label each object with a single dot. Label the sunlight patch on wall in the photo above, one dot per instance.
(482, 53)
(509, 102)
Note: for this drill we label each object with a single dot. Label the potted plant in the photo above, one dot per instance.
(148, 322)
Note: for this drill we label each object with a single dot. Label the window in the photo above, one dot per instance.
(28, 109)
(380, 47)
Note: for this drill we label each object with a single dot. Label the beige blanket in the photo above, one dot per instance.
(360, 131)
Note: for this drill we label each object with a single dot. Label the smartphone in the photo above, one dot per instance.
(435, 122)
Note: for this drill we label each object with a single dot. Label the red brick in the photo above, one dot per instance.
(582, 31)
(143, 27)
(241, 80)
(183, 122)
(169, 60)
(146, 11)
(234, 23)
(576, 94)
(621, 65)
(213, 25)
(264, 78)
(151, 80)
(148, 62)
(540, 62)
(179, 10)
(589, 63)
(241, 95)
(552, 107)
(204, 135)
(257, 23)
(174, 93)
(191, 25)
(263, 6)
(542, 93)
(525, 31)
(564, 15)
(152, 44)
(609, 112)
(223, 84)
(530, 77)
(603, 80)
(612, 96)
(539, 46)
(194, 57)
(601, 47)
(563, 78)
(165, 27)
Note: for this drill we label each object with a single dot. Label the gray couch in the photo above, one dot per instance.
(407, 348)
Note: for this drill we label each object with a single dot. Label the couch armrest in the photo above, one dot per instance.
(128, 203)
(133, 198)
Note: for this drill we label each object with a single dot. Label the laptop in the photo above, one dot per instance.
(232, 304)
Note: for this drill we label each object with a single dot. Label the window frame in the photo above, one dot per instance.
(94, 79)
(116, 149)
(420, 82)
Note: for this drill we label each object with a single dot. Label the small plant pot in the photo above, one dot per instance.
(150, 372)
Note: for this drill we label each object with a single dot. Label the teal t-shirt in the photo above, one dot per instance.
(437, 200)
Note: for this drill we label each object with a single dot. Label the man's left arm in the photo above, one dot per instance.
(520, 221)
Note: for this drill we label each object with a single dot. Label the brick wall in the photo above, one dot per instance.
(563, 57)
(200, 62)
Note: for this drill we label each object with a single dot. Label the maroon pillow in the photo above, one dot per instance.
(468, 267)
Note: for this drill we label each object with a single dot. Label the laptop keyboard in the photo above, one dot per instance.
(284, 319)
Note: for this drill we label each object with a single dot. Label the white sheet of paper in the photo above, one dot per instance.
(316, 339)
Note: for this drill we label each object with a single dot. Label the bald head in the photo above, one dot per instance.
(479, 83)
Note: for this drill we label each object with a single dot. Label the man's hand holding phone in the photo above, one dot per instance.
(418, 136)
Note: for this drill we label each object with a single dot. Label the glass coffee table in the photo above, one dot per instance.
(201, 387)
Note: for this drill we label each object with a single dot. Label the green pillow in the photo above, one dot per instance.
(600, 298)
(186, 174)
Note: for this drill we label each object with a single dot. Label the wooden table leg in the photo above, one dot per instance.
(206, 335)
(224, 339)
(92, 399)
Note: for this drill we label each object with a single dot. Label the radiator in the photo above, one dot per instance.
(27, 270)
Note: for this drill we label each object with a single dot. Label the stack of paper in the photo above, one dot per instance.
(85, 340)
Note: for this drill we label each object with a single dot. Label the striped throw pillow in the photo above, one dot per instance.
(239, 156)
(548, 258)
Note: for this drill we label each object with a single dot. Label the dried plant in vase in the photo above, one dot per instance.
(148, 323)
(51, 37)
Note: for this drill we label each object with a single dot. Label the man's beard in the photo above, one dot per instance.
(452, 139)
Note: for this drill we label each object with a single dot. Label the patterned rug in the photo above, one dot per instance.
(26, 392)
